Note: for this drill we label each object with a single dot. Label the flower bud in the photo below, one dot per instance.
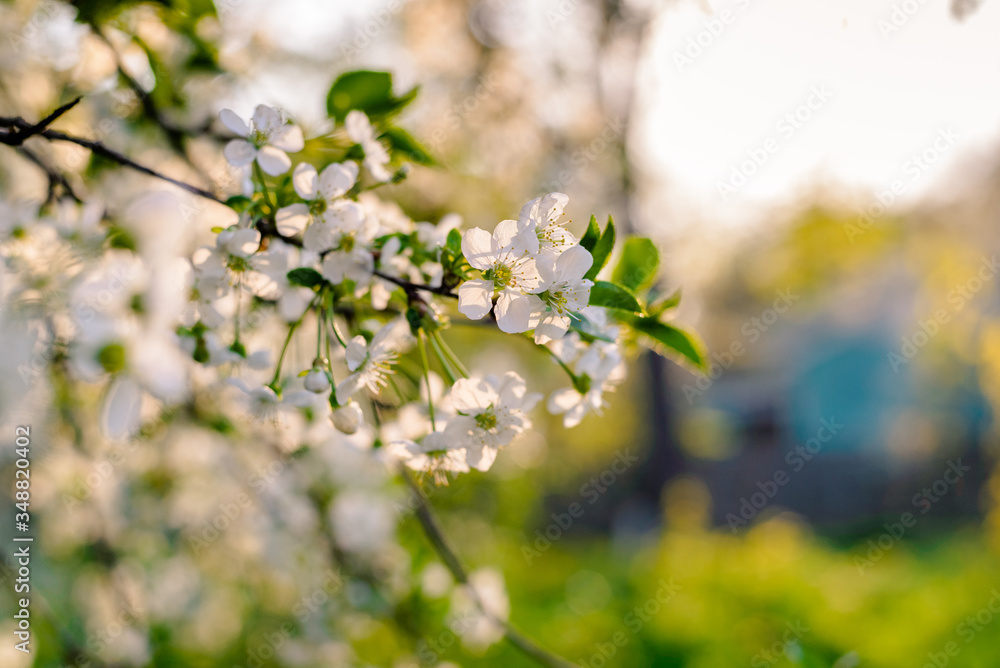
(347, 418)
(317, 381)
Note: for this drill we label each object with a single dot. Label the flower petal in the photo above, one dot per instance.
(266, 119)
(337, 179)
(292, 219)
(287, 138)
(273, 161)
(234, 123)
(472, 396)
(477, 246)
(475, 298)
(356, 353)
(573, 264)
(305, 180)
(513, 311)
(239, 152)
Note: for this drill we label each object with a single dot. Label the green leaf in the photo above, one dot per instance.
(306, 277)
(239, 203)
(454, 241)
(362, 89)
(367, 91)
(403, 142)
(685, 344)
(613, 296)
(664, 304)
(592, 235)
(637, 267)
(602, 250)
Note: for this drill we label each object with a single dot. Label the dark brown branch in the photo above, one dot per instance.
(413, 288)
(26, 130)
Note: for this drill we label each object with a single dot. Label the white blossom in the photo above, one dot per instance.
(320, 191)
(361, 132)
(507, 260)
(266, 139)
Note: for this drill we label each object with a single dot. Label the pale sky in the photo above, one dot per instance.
(888, 97)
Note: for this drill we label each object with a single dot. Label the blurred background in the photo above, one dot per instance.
(820, 179)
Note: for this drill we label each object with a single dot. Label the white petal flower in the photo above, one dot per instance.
(361, 132)
(266, 139)
(541, 217)
(371, 363)
(436, 455)
(348, 418)
(566, 292)
(321, 192)
(491, 412)
(507, 261)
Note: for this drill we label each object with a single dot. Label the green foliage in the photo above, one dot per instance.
(613, 296)
(402, 142)
(674, 339)
(305, 277)
(367, 91)
(601, 249)
(638, 265)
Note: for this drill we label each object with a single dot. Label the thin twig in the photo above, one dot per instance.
(27, 130)
(55, 178)
(438, 540)
(412, 288)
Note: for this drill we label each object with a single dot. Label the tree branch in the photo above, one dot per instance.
(412, 288)
(440, 543)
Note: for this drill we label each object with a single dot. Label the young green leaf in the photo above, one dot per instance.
(664, 304)
(592, 235)
(367, 91)
(672, 338)
(637, 267)
(403, 142)
(602, 250)
(613, 296)
(305, 277)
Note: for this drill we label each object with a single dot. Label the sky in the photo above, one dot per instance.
(748, 103)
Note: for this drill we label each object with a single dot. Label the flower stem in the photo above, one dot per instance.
(284, 348)
(452, 357)
(427, 377)
(259, 173)
(442, 358)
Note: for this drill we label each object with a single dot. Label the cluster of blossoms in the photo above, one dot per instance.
(338, 250)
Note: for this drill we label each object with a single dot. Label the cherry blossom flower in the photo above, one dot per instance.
(346, 241)
(436, 455)
(541, 216)
(491, 412)
(361, 132)
(372, 362)
(566, 291)
(320, 190)
(266, 139)
(507, 260)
